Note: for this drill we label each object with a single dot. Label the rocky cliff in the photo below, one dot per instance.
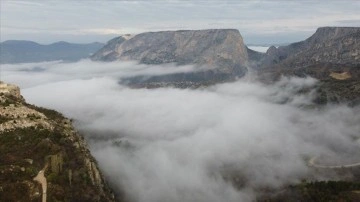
(219, 54)
(335, 45)
(36, 140)
(331, 54)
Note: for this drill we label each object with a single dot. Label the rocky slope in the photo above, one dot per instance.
(17, 51)
(218, 54)
(331, 54)
(335, 45)
(34, 138)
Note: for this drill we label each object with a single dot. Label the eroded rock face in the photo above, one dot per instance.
(33, 138)
(217, 50)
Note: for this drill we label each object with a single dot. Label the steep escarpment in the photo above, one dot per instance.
(218, 54)
(35, 140)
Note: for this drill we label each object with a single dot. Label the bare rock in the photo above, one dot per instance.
(218, 54)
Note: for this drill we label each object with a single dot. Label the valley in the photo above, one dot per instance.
(249, 101)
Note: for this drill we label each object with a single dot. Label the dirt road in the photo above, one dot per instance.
(313, 164)
(42, 180)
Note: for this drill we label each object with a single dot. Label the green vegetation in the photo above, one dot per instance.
(317, 191)
(328, 190)
(50, 114)
(10, 99)
(24, 143)
(3, 119)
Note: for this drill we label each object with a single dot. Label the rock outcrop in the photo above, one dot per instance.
(33, 138)
(10, 89)
(219, 54)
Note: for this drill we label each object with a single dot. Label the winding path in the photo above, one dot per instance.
(42, 180)
(313, 164)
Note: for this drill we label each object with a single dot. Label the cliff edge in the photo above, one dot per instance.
(331, 55)
(35, 140)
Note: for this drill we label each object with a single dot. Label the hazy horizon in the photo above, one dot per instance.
(259, 22)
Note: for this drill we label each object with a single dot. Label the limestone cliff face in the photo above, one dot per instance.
(34, 138)
(334, 45)
(217, 50)
(331, 55)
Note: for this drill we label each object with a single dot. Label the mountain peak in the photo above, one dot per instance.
(330, 33)
(61, 43)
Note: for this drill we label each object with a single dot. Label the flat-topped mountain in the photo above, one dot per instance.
(18, 51)
(219, 53)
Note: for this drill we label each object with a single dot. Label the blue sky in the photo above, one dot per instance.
(85, 21)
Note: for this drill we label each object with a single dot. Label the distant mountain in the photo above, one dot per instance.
(219, 54)
(223, 56)
(328, 50)
(18, 51)
(331, 54)
(335, 45)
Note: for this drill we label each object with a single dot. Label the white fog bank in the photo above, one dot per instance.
(169, 144)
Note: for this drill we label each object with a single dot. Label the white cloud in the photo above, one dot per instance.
(45, 72)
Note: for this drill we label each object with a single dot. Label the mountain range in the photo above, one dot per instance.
(19, 51)
(220, 55)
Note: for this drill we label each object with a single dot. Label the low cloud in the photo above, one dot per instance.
(54, 71)
(221, 143)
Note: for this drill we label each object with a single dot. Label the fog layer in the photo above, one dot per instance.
(221, 143)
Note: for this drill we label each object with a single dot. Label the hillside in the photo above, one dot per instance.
(331, 55)
(336, 45)
(16, 51)
(36, 140)
(336, 48)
